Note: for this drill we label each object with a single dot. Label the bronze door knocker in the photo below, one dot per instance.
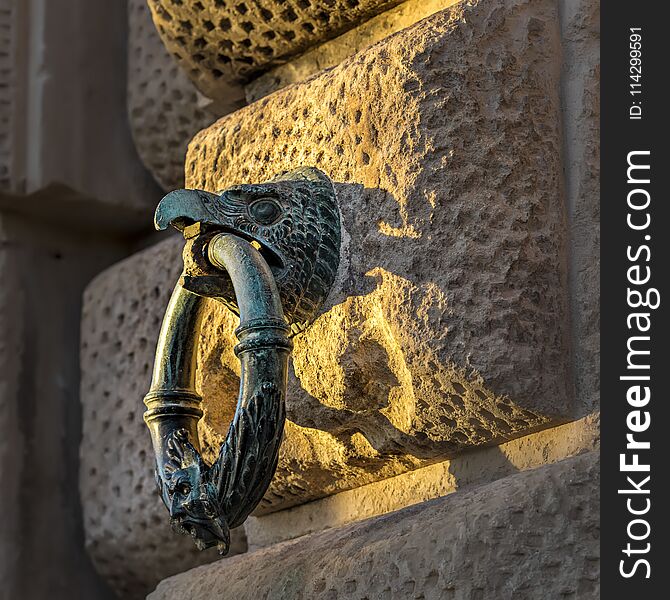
(270, 253)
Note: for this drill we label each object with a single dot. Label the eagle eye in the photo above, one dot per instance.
(184, 489)
(265, 211)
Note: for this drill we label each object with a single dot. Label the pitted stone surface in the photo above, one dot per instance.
(164, 107)
(219, 42)
(126, 525)
(445, 330)
(436, 480)
(333, 52)
(527, 536)
(447, 325)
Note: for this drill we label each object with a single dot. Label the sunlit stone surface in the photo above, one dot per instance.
(531, 535)
(447, 327)
(218, 43)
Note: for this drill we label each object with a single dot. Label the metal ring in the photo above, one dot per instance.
(206, 501)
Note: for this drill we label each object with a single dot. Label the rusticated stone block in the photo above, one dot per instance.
(164, 108)
(126, 526)
(438, 479)
(333, 52)
(218, 43)
(446, 329)
(447, 326)
(527, 536)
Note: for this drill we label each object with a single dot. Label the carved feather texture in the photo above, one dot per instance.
(232, 487)
(306, 236)
(246, 461)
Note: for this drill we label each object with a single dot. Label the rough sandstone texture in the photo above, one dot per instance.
(436, 480)
(127, 531)
(333, 52)
(218, 42)
(165, 109)
(446, 328)
(527, 536)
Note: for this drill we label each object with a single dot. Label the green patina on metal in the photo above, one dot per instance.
(270, 253)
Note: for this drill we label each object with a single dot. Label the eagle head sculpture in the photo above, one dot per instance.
(293, 220)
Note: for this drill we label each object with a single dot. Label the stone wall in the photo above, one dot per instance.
(443, 409)
(453, 275)
(580, 25)
(65, 105)
(166, 109)
(528, 536)
(44, 267)
(332, 52)
(460, 343)
(219, 43)
(425, 483)
(462, 140)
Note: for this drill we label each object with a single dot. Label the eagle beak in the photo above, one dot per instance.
(182, 208)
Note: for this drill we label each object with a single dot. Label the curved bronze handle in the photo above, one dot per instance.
(206, 501)
(269, 252)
